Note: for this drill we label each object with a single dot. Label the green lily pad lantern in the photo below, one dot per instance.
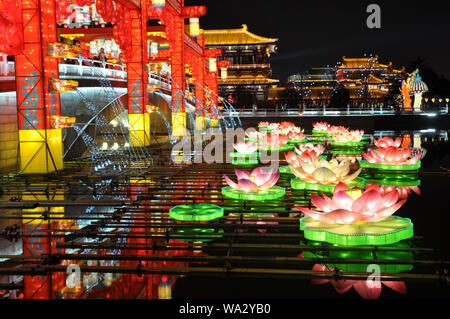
(385, 232)
(196, 212)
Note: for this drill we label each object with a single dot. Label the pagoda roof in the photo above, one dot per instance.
(235, 36)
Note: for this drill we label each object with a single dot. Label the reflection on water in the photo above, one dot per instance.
(127, 246)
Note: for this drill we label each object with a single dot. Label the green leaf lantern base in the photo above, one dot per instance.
(388, 231)
(390, 167)
(245, 162)
(299, 184)
(271, 193)
(298, 142)
(317, 132)
(254, 155)
(346, 151)
(348, 144)
(285, 170)
(196, 212)
(201, 234)
(394, 182)
(254, 140)
(283, 148)
(395, 254)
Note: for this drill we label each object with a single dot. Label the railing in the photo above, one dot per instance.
(77, 70)
(325, 111)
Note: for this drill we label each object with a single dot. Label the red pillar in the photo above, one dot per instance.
(40, 145)
(178, 74)
(138, 79)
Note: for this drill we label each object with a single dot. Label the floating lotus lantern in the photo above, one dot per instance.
(295, 160)
(321, 128)
(273, 126)
(353, 159)
(337, 129)
(297, 137)
(356, 217)
(263, 124)
(348, 138)
(245, 148)
(196, 212)
(287, 125)
(255, 135)
(245, 153)
(257, 222)
(391, 158)
(403, 191)
(385, 142)
(319, 149)
(321, 174)
(255, 185)
(361, 286)
(274, 142)
(404, 184)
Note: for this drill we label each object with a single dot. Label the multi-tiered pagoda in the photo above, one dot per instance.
(250, 72)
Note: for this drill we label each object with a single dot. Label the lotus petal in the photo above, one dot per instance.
(230, 182)
(343, 200)
(247, 185)
(241, 174)
(322, 204)
(398, 286)
(366, 292)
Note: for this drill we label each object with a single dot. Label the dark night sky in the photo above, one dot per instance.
(314, 33)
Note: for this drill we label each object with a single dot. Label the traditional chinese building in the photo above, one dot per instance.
(250, 73)
(362, 79)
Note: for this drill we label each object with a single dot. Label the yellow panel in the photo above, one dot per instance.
(214, 123)
(139, 129)
(178, 123)
(200, 123)
(40, 151)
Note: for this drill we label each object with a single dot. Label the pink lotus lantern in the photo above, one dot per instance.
(257, 180)
(263, 124)
(319, 148)
(287, 124)
(321, 126)
(352, 206)
(258, 222)
(348, 136)
(255, 135)
(385, 142)
(391, 155)
(295, 160)
(245, 147)
(361, 286)
(337, 129)
(321, 171)
(273, 140)
(273, 126)
(403, 191)
(293, 136)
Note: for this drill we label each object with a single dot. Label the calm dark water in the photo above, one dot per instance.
(429, 212)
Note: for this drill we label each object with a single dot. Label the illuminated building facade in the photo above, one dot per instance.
(249, 75)
(362, 80)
